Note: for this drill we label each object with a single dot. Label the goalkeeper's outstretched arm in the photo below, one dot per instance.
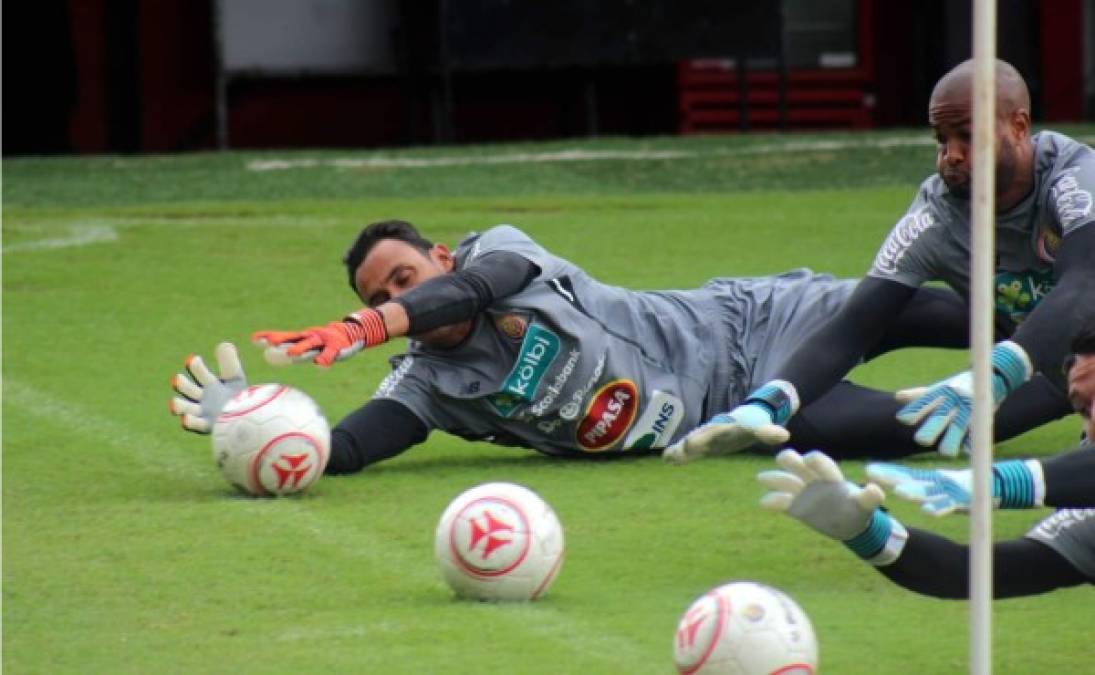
(1070, 478)
(1066, 310)
(838, 345)
(441, 301)
(378, 430)
(934, 565)
(813, 490)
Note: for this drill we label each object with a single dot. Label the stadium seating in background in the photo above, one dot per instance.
(710, 98)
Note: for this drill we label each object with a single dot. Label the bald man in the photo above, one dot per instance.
(1044, 290)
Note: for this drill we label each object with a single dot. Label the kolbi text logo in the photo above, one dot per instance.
(537, 353)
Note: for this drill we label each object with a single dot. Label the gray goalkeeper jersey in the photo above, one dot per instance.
(932, 240)
(569, 365)
(1070, 532)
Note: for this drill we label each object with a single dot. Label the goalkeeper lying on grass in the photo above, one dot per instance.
(1057, 552)
(515, 346)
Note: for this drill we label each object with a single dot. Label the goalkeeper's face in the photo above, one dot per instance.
(392, 267)
(950, 113)
(1081, 390)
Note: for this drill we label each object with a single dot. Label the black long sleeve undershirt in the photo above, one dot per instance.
(936, 566)
(1070, 478)
(1045, 334)
(838, 345)
(380, 429)
(461, 294)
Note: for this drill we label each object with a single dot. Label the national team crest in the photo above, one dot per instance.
(1049, 242)
(512, 325)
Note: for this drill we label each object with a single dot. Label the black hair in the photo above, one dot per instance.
(376, 232)
(1083, 344)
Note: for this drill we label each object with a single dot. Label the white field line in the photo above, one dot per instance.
(78, 236)
(465, 160)
(383, 162)
(148, 451)
(158, 457)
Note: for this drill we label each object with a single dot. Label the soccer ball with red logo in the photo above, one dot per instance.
(745, 628)
(271, 439)
(499, 541)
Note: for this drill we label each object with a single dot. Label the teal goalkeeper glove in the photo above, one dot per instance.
(1016, 484)
(944, 408)
(202, 395)
(757, 421)
(813, 490)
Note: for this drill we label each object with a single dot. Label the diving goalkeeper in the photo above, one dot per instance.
(515, 346)
(1057, 552)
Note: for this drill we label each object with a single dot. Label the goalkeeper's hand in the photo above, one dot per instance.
(758, 421)
(943, 410)
(813, 490)
(1015, 484)
(938, 491)
(323, 345)
(202, 395)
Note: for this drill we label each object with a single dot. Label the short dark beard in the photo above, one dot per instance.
(1006, 167)
(961, 191)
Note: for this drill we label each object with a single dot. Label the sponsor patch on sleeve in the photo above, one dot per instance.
(391, 381)
(1071, 202)
(899, 241)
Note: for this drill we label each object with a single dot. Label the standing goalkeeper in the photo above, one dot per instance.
(1044, 283)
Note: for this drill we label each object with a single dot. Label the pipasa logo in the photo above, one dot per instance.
(537, 353)
(609, 415)
(660, 418)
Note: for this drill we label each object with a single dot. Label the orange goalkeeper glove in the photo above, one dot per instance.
(323, 345)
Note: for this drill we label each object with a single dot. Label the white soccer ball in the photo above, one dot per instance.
(499, 541)
(745, 628)
(271, 439)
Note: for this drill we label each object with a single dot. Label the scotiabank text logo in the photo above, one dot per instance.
(609, 415)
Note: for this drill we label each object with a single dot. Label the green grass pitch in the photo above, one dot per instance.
(125, 551)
